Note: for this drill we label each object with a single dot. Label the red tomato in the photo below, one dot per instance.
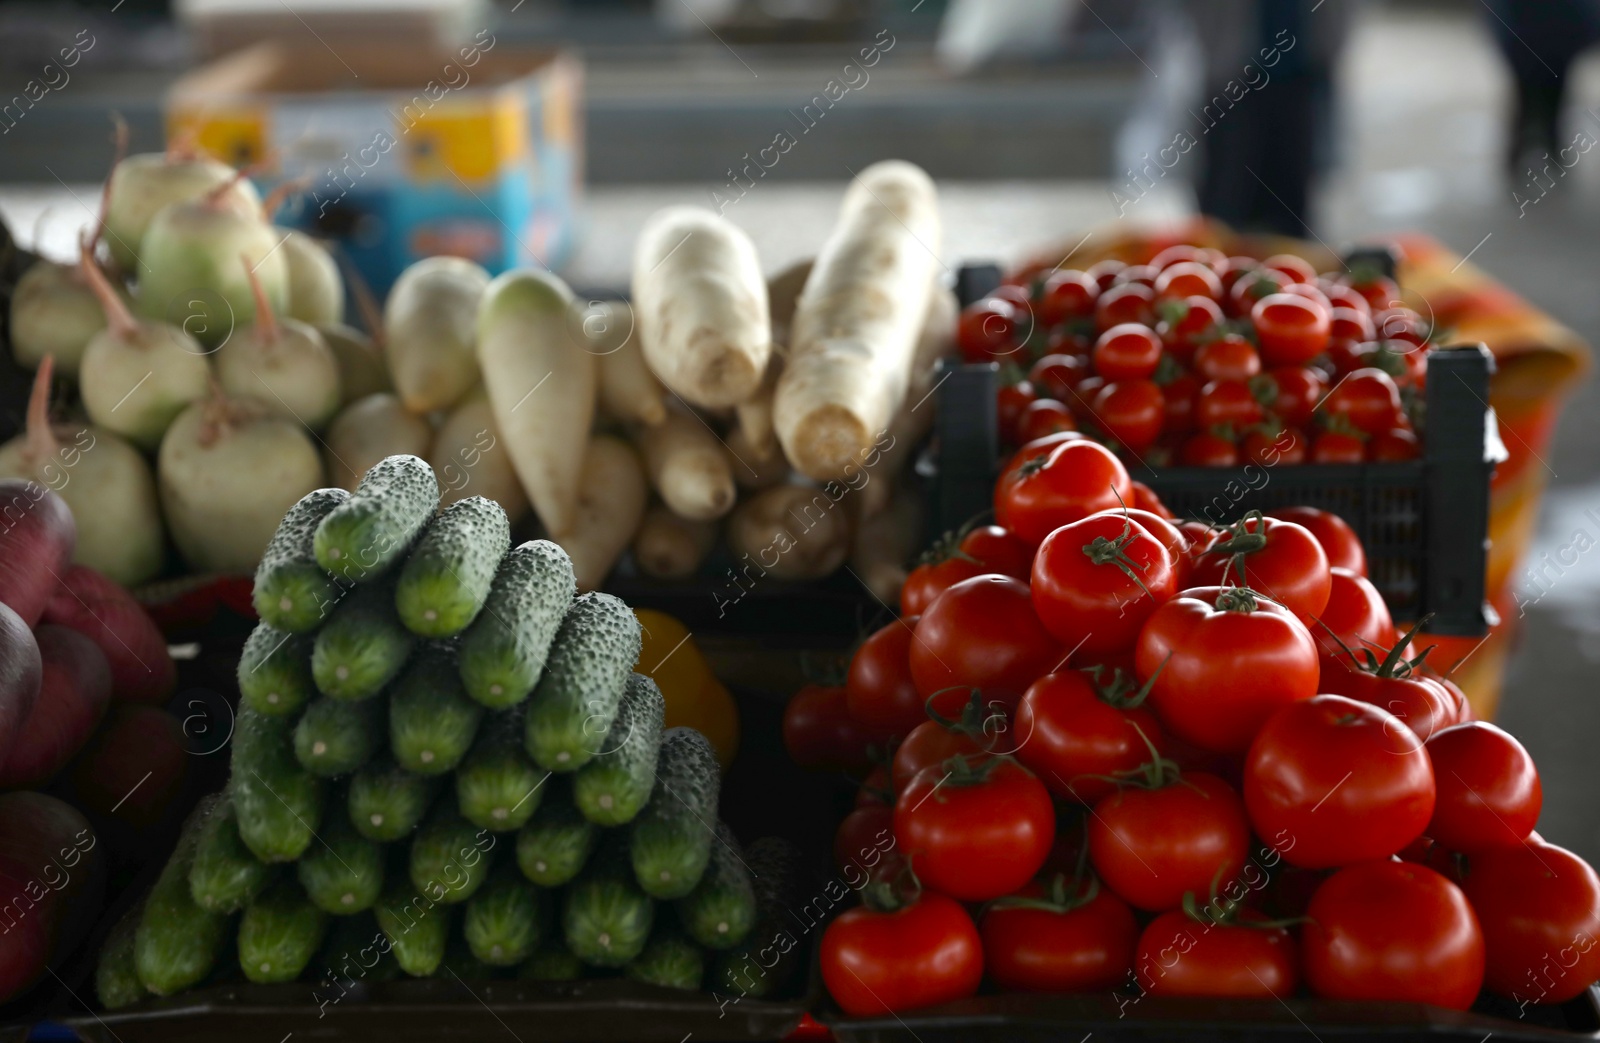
(876, 789)
(1335, 447)
(1178, 252)
(1330, 781)
(1273, 557)
(1131, 412)
(1355, 615)
(929, 743)
(1151, 846)
(924, 953)
(932, 578)
(864, 837)
(1298, 269)
(1039, 447)
(1291, 329)
(1084, 943)
(1310, 293)
(1187, 279)
(1397, 443)
(1096, 580)
(1251, 287)
(987, 330)
(1044, 417)
(1350, 326)
(1145, 499)
(1339, 541)
(1105, 272)
(1407, 363)
(975, 832)
(1420, 701)
(1073, 736)
(1010, 403)
(1226, 403)
(1179, 956)
(1067, 294)
(1127, 351)
(1380, 291)
(1393, 931)
(1232, 269)
(1127, 302)
(1231, 659)
(1140, 273)
(819, 732)
(1075, 480)
(1271, 447)
(1227, 358)
(1342, 296)
(1164, 530)
(1185, 323)
(1401, 324)
(1208, 449)
(1056, 375)
(1539, 907)
(982, 633)
(1293, 393)
(1179, 396)
(879, 692)
(1367, 398)
(998, 550)
(1489, 791)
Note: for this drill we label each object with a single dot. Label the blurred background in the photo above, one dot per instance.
(545, 130)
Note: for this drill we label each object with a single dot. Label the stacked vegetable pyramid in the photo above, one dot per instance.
(435, 734)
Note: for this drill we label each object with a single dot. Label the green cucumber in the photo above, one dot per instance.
(553, 962)
(557, 841)
(768, 957)
(279, 933)
(606, 918)
(417, 928)
(503, 653)
(497, 786)
(505, 920)
(447, 577)
(334, 737)
(571, 710)
(613, 788)
(275, 672)
(363, 647)
(343, 874)
(461, 964)
(449, 858)
(116, 974)
(671, 840)
(431, 721)
(721, 909)
(278, 803)
(177, 943)
(670, 960)
(292, 592)
(225, 875)
(386, 802)
(355, 949)
(363, 536)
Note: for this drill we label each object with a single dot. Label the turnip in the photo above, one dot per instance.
(135, 375)
(368, 430)
(316, 292)
(670, 547)
(688, 467)
(429, 326)
(104, 481)
(37, 535)
(227, 471)
(20, 675)
(754, 414)
(361, 368)
(142, 185)
(471, 459)
(74, 688)
(52, 884)
(752, 471)
(283, 363)
(791, 532)
(629, 392)
(611, 503)
(54, 312)
(142, 671)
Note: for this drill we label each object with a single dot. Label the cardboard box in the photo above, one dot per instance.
(404, 152)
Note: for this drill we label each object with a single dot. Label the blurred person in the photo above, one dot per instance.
(1539, 39)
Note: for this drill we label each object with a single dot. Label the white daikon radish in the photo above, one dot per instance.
(751, 471)
(755, 413)
(316, 293)
(541, 381)
(105, 482)
(228, 470)
(470, 458)
(366, 431)
(189, 271)
(428, 326)
(856, 324)
(284, 363)
(792, 532)
(783, 292)
(915, 418)
(361, 368)
(886, 543)
(687, 466)
(671, 547)
(701, 306)
(610, 505)
(629, 392)
(142, 185)
(136, 376)
(54, 312)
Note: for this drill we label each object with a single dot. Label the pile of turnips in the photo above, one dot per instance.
(1102, 749)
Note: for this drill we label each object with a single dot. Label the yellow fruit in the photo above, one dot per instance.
(694, 696)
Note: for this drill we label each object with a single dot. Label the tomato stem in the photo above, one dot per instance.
(1238, 599)
(1102, 551)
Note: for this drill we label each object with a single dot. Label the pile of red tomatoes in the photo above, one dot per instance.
(1198, 359)
(1101, 749)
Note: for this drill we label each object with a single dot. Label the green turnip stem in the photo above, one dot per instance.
(122, 323)
(41, 445)
(214, 197)
(119, 139)
(366, 303)
(275, 198)
(265, 320)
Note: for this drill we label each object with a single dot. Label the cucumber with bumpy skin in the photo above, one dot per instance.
(576, 700)
(292, 592)
(431, 721)
(447, 577)
(354, 949)
(225, 876)
(278, 803)
(497, 786)
(343, 874)
(670, 959)
(279, 933)
(386, 802)
(613, 788)
(275, 672)
(671, 840)
(768, 957)
(557, 841)
(449, 858)
(177, 943)
(116, 974)
(362, 647)
(334, 737)
(505, 920)
(363, 536)
(721, 909)
(417, 928)
(553, 962)
(606, 918)
(503, 653)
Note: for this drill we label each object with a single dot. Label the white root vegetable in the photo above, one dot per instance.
(629, 392)
(752, 471)
(428, 326)
(915, 418)
(611, 503)
(54, 312)
(783, 293)
(227, 472)
(671, 547)
(792, 532)
(283, 363)
(316, 292)
(701, 306)
(137, 376)
(886, 542)
(755, 413)
(361, 368)
(366, 431)
(687, 466)
(856, 324)
(470, 458)
(105, 482)
(142, 185)
(541, 382)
